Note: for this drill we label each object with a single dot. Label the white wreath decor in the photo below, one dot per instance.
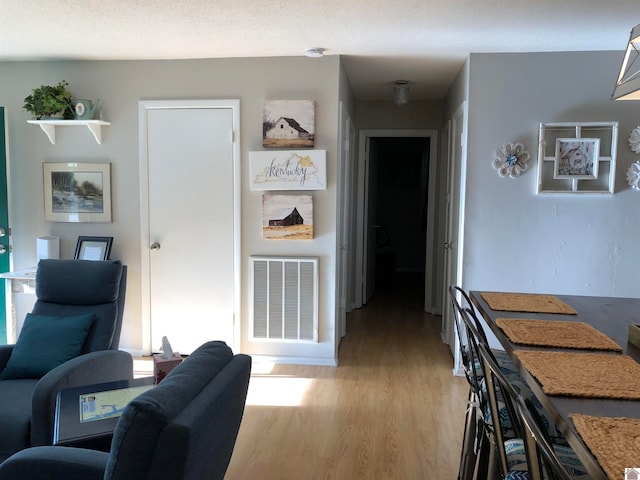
(633, 175)
(634, 140)
(511, 159)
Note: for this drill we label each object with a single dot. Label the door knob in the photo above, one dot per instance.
(3, 232)
(3, 249)
(155, 246)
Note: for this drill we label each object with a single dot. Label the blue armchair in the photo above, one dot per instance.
(69, 339)
(185, 428)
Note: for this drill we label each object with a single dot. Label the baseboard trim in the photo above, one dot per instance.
(286, 360)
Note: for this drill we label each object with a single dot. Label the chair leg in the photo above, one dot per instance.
(485, 457)
(469, 441)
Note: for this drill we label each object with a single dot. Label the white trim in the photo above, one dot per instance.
(291, 360)
(143, 107)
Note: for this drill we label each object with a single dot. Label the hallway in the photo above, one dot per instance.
(391, 410)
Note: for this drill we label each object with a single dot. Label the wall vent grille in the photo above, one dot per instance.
(284, 299)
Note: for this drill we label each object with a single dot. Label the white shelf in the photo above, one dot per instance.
(49, 127)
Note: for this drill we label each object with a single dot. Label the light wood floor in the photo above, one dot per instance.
(391, 410)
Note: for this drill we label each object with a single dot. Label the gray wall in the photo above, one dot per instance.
(121, 84)
(516, 240)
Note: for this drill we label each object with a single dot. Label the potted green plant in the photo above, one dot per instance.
(50, 102)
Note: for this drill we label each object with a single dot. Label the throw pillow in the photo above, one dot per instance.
(44, 343)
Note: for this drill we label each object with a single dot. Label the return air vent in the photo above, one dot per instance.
(284, 292)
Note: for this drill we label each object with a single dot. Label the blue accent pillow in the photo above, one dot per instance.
(46, 342)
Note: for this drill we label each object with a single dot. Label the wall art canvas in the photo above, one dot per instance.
(577, 158)
(288, 124)
(77, 192)
(287, 217)
(288, 170)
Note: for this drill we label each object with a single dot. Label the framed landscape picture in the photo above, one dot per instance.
(287, 217)
(77, 192)
(288, 124)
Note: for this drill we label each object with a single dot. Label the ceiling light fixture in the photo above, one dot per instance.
(628, 84)
(314, 52)
(400, 92)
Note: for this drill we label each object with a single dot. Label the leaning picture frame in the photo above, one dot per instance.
(77, 192)
(576, 158)
(93, 248)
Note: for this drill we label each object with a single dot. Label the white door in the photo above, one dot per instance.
(453, 232)
(344, 225)
(190, 250)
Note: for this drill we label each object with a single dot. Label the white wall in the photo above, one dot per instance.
(121, 84)
(516, 240)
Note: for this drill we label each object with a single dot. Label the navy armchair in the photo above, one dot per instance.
(185, 428)
(69, 339)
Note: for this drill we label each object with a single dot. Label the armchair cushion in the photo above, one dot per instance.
(46, 342)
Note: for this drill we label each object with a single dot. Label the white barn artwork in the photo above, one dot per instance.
(288, 124)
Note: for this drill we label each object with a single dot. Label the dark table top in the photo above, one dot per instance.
(612, 316)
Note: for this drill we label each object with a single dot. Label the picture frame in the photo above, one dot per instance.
(288, 170)
(77, 192)
(287, 217)
(93, 248)
(288, 124)
(576, 158)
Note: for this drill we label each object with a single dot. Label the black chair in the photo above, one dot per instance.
(474, 418)
(519, 455)
(70, 339)
(554, 462)
(470, 332)
(185, 428)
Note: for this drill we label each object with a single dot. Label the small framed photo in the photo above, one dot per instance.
(93, 248)
(77, 192)
(577, 158)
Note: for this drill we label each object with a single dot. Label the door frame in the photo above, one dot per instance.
(362, 233)
(344, 250)
(144, 106)
(454, 226)
(5, 189)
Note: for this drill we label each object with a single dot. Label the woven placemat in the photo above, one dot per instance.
(527, 302)
(614, 441)
(590, 375)
(556, 333)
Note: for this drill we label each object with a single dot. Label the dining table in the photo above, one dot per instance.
(609, 315)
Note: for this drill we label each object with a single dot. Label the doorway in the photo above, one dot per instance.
(397, 210)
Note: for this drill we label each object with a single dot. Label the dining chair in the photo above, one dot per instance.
(517, 456)
(476, 454)
(473, 429)
(555, 462)
(507, 366)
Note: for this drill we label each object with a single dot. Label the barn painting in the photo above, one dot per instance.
(577, 158)
(288, 123)
(287, 217)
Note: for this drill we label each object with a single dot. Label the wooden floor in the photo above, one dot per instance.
(391, 410)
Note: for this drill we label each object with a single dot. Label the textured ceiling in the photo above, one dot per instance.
(423, 41)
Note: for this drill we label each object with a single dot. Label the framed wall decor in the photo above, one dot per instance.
(77, 192)
(93, 248)
(577, 158)
(288, 124)
(288, 170)
(287, 217)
